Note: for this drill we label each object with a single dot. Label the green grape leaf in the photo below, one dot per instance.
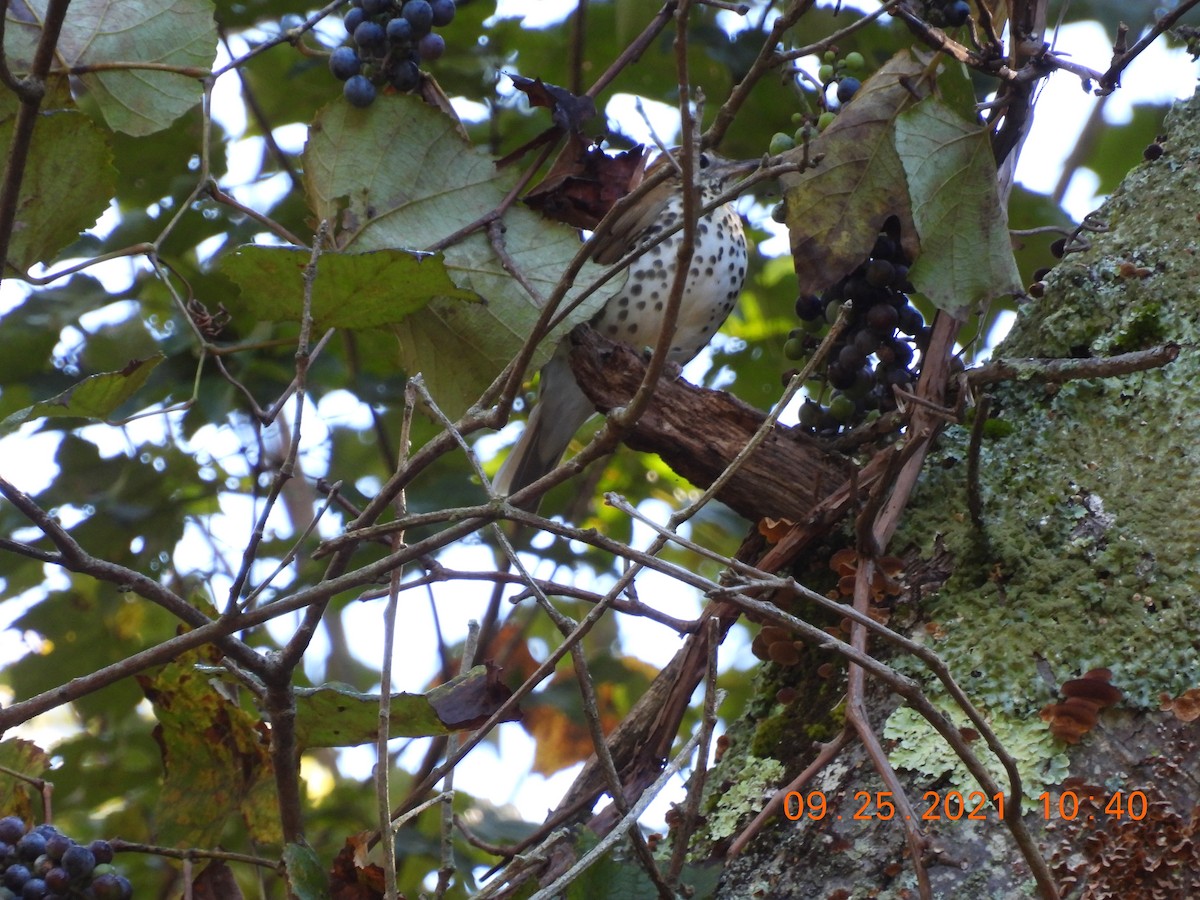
(337, 716)
(351, 290)
(835, 209)
(178, 34)
(69, 178)
(96, 397)
(306, 876)
(401, 176)
(966, 254)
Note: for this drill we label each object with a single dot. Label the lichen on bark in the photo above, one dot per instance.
(1089, 556)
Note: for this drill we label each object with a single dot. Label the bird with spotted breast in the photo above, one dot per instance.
(634, 315)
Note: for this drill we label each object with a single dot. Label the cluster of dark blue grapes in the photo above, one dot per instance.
(876, 352)
(389, 40)
(42, 863)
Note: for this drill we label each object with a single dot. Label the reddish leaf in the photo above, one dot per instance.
(351, 877)
(568, 111)
(216, 882)
(470, 701)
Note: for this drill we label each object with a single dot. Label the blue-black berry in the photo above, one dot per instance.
(11, 829)
(31, 846)
(404, 75)
(847, 88)
(16, 876)
(344, 63)
(399, 31)
(354, 18)
(359, 91)
(957, 13)
(79, 862)
(370, 36)
(420, 15)
(432, 46)
(443, 12)
(112, 887)
(102, 850)
(57, 879)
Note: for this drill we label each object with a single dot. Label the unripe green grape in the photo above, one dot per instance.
(825, 120)
(854, 61)
(793, 348)
(780, 143)
(842, 408)
(805, 133)
(813, 326)
(825, 73)
(810, 413)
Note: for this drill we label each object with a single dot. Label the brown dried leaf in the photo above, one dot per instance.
(568, 111)
(584, 183)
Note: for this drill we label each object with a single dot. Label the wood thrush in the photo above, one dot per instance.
(634, 315)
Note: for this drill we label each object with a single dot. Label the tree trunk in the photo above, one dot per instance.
(1082, 554)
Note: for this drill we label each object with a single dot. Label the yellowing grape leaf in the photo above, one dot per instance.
(69, 179)
(399, 175)
(216, 759)
(835, 209)
(18, 797)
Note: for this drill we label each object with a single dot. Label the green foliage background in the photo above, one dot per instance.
(146, 493)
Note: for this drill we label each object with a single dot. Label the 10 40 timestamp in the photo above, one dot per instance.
(953, 806)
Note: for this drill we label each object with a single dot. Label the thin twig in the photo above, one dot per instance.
(691, 810)
(974, 447)
(123, 846)
(447, 870)
(1111, 79)
(1057, 371)
(630, 820)
(383, 800)
(30, 91)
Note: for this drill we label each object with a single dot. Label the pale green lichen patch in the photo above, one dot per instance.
(919, 748)
(755, 785)
(1090, 550)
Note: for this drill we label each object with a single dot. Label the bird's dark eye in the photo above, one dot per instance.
(704, 160)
